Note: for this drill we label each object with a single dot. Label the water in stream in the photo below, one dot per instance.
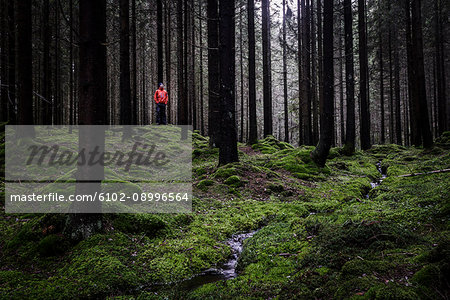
(224, 272)
(377, 182)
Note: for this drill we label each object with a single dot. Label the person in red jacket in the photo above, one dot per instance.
(161, 99)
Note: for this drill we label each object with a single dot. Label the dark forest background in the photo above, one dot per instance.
(365, 72)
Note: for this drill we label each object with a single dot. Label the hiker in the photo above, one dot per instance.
(161, 101)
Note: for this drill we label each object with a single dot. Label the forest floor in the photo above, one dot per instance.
(320, 233)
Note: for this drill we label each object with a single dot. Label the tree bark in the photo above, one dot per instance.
(417, 40)
(159, 40)
(228, 140)
(134, 99)
(213, 72)
(285, 89)
(125, 90)
(92, 108)
(350, 133)
(24, 66)
(319, 155)
(267, 69)
(253, 127)
(364, 80)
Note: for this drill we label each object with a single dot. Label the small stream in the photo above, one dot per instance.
(223, 272)
(377, 182)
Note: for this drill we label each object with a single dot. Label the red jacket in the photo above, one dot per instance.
(161, 96)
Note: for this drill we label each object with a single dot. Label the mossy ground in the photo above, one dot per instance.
(320, 236)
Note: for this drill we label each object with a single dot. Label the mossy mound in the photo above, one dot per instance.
(270, 145)
(299, 163)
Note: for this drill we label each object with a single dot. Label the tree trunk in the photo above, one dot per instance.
(320, 52)
(253, 127)
(213, 72)
(267, 68)
(350, 133)
(380, 62)
(285, 89)
(412, 84)
(315, 107)
(364, 80)
(159, 40)
(168, 59)
(398, 119)
(417, 41)
(24, 65)
(4, 64)
(440, 69)
(319, 155)
(341, 85)
(192, 80)
(300, 73)
(306, 74)
(228, 140)
(92, 108)
(12, 104)
(182, 101)
(125, 90)
(391, 85)
(134, 99)
(46, 72)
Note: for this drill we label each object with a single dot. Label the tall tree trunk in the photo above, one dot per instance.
(213, 72)
(4, 63)
(253, 127)
(341, 85)
(417, 41)
(415, 136)
(168, 59)
(398, 119)
(285, 89)
(125, 91)
(391, 85)
(228, 141)
(92, 108)
(46, 74)
(364, 80)
(24, 65)
(241, 60)
(182, 100)
(134, 99)
(315, 106)
(320, 51)
(267, 69)
(380, 62)
(319, 155)
(192, 81)
(300, 72)
(12, 104)
(202, 120)
(350, 133)
(440, 68)
(306, 74)
(57, 102)
(159, 39)
(71, 63)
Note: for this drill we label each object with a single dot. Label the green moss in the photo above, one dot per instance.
(225, 172)
(203, 184)
(53, 244)
(233, 180)
(149, 224)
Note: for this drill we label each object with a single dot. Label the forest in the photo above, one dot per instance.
(318, 139)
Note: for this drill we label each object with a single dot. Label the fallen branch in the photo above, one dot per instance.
(425, 173)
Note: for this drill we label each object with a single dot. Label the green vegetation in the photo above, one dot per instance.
(323, 233)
